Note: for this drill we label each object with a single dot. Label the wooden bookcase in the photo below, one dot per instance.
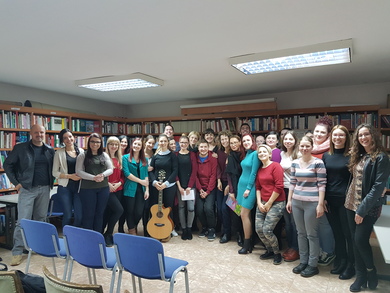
(16, 121)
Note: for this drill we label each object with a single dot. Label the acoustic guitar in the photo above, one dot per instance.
(160, 225)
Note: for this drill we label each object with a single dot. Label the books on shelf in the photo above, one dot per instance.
(186, 126)
(155, 128)
(134, 128)
(51, 123)
(260, 123)
(11, 119)
(83, 125)
(113, 127)
(219, 125)
(4, 182)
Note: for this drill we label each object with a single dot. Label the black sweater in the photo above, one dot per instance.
(337, 173)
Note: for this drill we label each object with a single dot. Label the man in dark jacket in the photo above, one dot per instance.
(29, 167)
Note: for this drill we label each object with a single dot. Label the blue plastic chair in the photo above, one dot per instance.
(55, 207)
(88, 248)
(42, 238)
(144, 258)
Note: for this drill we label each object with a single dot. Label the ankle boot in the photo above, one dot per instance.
(348, 273)
(360, 282)
(239, 239)
(189, 233)
(372, 279)
(340, 267)
(247, 247)
(132, 231)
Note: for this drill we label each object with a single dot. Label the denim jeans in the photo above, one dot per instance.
(186, 221)
(223, 211)
(71, 203)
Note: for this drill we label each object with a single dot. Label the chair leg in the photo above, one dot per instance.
(112, 279)
(186, 280)
(118, 285)
(54, 266)
(134, 285)
(140, 285)
(65, 268)
(94, 276)
(89, 275)
(70, 270)
(28, 261)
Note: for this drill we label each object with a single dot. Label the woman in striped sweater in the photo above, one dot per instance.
(306, 202)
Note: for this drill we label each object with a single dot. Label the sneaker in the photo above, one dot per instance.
(16, 260)
(174, 233)
(184, 234)
(203, 233)
(211, 234)
(326, 259)
(310, 271)
(277, 259)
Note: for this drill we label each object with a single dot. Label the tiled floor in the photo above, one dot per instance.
(215, 267)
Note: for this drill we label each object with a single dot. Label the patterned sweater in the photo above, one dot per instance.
(307, 182)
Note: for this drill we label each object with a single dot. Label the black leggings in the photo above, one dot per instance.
(135, 208)
(361, 242)
(114, 211)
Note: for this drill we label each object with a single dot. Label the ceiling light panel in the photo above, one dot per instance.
(118, 83)
(309, 56)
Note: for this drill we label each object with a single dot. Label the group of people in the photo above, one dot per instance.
(327, 188)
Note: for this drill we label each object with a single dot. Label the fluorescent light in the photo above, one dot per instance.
(316, 55)
(118, 83)
(206, 105)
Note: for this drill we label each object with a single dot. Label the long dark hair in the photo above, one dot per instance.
(142, 156)
(241, 149)
(88, 153)
(127, 149)
(357, 150)
(61, 138)
(295, 148)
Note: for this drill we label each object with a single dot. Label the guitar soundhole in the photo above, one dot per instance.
(160, 214)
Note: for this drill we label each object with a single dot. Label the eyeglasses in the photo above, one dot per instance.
(234, 142)
(113, 144)
(95, 142)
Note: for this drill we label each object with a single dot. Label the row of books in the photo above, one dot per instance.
(260, 123)
(4, 182)
(83, 125)
(3, 156)
(385, 121)
(385, 141)
(10, 119)
(113, 127)
(219, 125)
(9, 139)
(154, 128)
(51, 123)
(186, 126)
(134, 128)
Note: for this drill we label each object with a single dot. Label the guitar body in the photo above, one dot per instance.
(160, 225)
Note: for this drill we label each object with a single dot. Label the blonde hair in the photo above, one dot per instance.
(118, 153)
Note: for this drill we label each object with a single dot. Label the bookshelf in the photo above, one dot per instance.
(15, 123)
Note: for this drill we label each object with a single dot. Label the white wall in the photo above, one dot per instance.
(15, 93)
(372, 94)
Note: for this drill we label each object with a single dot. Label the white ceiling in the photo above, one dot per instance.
(50, 44)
